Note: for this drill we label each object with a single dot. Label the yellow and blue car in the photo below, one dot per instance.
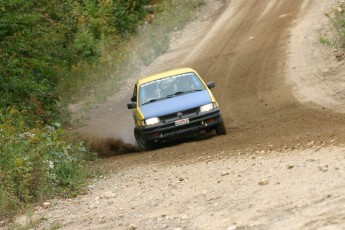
(171, 105)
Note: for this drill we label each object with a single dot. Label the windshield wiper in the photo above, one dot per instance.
(152, 100)
(183, 92)
(175, 94)
(155, 99)
(194, 90)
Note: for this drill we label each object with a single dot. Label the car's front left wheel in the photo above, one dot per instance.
(220, 128)
(143, 144)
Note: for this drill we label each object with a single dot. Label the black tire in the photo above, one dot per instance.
(144, 145)
(220, 128)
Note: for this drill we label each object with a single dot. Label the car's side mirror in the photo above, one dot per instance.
(133, 99)
(211, 85)
(132, 105)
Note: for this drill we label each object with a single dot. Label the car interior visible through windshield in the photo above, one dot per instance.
(169, 87)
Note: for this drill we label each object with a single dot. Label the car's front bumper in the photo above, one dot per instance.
(168, 129)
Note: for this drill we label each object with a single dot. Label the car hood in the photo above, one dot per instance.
(176, 104)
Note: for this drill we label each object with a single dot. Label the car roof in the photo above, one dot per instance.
(164, 74)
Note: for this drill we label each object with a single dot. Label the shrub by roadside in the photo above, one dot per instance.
(36, 163)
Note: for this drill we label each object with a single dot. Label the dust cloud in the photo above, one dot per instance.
(107, 146)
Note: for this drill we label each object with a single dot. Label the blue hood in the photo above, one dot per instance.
(176, 104)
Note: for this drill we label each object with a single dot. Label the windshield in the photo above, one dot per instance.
(169, 87)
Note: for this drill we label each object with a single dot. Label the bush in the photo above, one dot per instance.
(35, 163)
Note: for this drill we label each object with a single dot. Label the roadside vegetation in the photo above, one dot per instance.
(124, 53)
(53, 53)
(339, 24)
(36, 163)
(336, 38)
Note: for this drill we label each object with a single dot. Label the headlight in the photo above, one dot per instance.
(207, 107)
(152, 121)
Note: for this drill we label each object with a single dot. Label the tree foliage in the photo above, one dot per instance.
(40, 41)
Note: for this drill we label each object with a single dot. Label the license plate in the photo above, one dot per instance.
(182, 122)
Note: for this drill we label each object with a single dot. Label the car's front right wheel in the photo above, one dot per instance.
(143, 144)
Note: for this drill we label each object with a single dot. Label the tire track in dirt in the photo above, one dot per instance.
(247, 61)
(245, 53)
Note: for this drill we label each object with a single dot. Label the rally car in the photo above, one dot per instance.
(173, 104)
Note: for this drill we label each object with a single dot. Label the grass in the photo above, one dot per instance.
(339, 24)
(337, 18)
(325, 41)
(37, 164)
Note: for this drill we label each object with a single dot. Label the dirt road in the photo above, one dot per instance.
(282, 164)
